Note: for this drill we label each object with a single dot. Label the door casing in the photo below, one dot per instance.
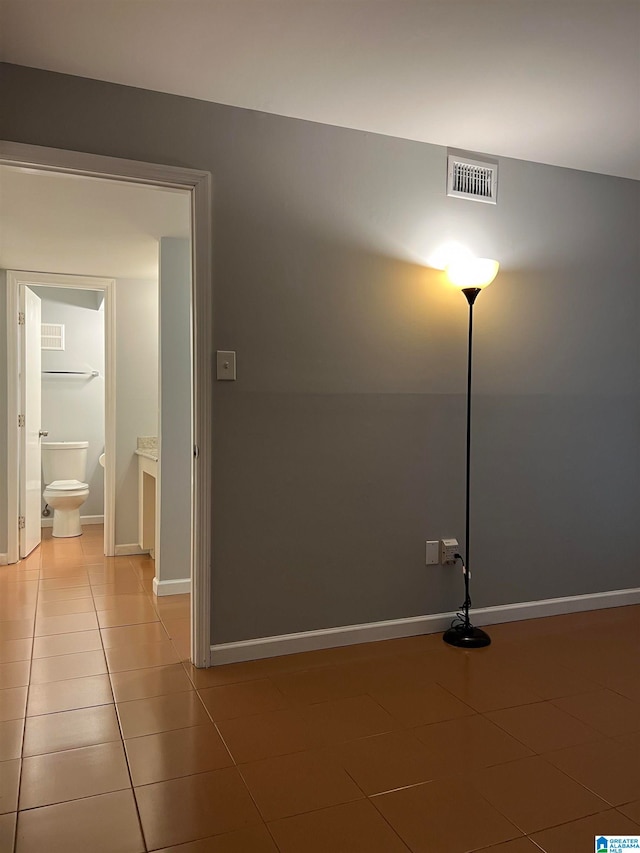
(198, 184)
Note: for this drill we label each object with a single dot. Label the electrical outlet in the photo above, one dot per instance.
(433, 552)
(448, 550)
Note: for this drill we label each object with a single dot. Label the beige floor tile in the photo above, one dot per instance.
(68, 695)
(70, 730)
(11, 739)
(63, 570)
(254, 839)
(9, 783)
(173, 606)
(17, 629)
(64, 608)
(430, 817)
(133, 635)
(264, 735)
(15, 674)
(66, 644)
(340, 829)
(15, 650)
(534, 795)
(194, 807)
(69, 582)
(580, 834)
(182, 752)
(609, 769)
(13, 703)
(126, 585)
(146, 683)
(605, 711)
(127, 616)
(141, 656)
(542, 726)
(240, 700)
(17, 613)
(45, 596)
(64, 667)
(302, 782)
(104, 824)
(46, 625)
(73, 774)
(347, 719)
(7, 832)
(429, 704)
(161, 714)
(120, 601)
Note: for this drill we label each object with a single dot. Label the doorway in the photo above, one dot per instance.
(24, 391)
(198, 185)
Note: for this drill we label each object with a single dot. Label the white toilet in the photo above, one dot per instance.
(64, 467)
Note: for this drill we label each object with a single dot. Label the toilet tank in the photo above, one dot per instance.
(64, 460)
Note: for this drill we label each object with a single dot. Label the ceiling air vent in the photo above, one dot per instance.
(473, 179)
(52, 336)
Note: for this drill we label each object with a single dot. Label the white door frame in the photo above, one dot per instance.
(15, 280)
(198, 183)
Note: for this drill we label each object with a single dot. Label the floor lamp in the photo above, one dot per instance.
(470, 275)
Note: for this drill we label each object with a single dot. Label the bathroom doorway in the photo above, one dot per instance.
(197, 185)
(67, 380)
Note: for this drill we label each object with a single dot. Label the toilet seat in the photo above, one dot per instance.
(69, 488)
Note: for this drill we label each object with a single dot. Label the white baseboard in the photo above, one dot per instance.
(132, 550)
(287, 644)
(177, 587)
(84, 519)
(4, 559)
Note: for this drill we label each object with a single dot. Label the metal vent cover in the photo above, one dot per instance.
(472, 179)
(52, 336)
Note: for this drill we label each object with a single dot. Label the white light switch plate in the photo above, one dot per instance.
(433, 552)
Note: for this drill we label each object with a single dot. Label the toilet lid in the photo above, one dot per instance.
(67, 485)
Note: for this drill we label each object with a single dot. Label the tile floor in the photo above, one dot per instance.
(110, 742)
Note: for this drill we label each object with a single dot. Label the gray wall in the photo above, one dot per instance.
(136, 392)
(176, 450)
(73, 406)
(340, 448)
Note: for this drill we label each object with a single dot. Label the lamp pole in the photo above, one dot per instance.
(462, 633)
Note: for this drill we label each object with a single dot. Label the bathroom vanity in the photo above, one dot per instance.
(147, 453)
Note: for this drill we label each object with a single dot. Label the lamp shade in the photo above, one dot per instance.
(472, 272)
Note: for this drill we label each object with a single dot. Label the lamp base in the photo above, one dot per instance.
(467, 638)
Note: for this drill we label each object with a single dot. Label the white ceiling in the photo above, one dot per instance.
(84, 226)
(553, 81)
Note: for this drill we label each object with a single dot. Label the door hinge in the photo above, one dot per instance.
(21, 318)
(20, 420)
(21, 522)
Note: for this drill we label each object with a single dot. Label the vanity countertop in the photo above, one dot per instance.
(148, 453)
(147, 446)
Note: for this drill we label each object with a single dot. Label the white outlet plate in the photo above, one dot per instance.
(448, 550)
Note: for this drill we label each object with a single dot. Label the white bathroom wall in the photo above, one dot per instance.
(136, 392)
(73, 406)
(174, 560)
